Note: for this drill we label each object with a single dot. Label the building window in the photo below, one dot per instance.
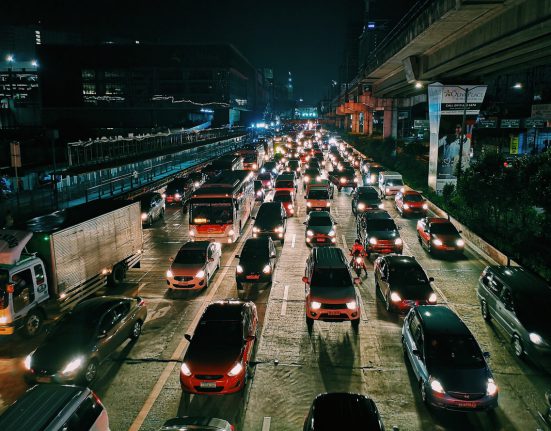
(88, 74)
(88, 88)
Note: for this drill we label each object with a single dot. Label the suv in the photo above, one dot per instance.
(521, 304)
(439, 234)
(317, 199)
(365, 198)
(344, 178)
(256, 262)
(378, 233)
(271, 220)
(448, 363)
(402, 283)
(152, 206)
(329, 288)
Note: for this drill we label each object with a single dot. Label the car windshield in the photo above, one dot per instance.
(255, 252)
(317, 194)
(375, 169)
(453, 351)
(4, 297)
(413, 198)
(368, 195)
(331, 277)
(312, 172)
(287, 184)
(281, 197)
(443, 229)
(381, 225)
(190, 257)
(213, 213)
(403, 274)
(394, 183)
(268, 214)
(228, 332)
(75, 326)
(320, 221)
(293, 163)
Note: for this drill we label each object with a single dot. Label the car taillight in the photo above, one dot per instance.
(141, 301)
(96, 398)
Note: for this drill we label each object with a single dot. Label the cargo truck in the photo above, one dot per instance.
(63, 258)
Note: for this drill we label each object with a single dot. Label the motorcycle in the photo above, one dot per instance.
(357, 263)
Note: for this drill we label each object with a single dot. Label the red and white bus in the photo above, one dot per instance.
(220, 208)
(253, 156)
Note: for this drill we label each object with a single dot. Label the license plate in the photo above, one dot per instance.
(208, 385)
(43, 379)
(321, 239)
(334, 313)
(253, 277)
(318, 209)
(467, 404)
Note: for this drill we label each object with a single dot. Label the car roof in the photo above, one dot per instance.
(269, 206)
(438, 319)
(196, 245)
(391, 173)
(39, 406)
(329, 257)
(401, 261)
(316, 214)
(347, 409)
(260, 242)
(437, 220)
(372, 189)
(224, 310)
(283, 192)
(523, 284)
(376, 214)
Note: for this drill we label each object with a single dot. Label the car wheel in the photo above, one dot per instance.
(90, 372)
(33, 323)
(117, 275)
(136, 330)
(485, 312)
(404, 350)
(355, 324)
(162, 213)
(518, 348)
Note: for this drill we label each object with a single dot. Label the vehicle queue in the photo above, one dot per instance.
(436, 342)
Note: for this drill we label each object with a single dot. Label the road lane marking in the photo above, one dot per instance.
(293, 240)
(284, 302)
(266, 423)
(344, 243)
(177, 354)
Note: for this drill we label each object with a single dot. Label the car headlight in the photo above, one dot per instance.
(361, 206)
(436, 241)
(351, 305)
(359, 260)
(27, 361)
(239, 269)
(306, 178)
(200, 274)
(169, 274)
(191, 233)
(398, 241)
(315, 305)
(255, 229)
(535, 338)
(255, 166)
(290, 206)
(331, 232)
(328, 204)
(177, 195)
(343, 180)
(308, 204)
(144, 216)
(318, 178)
(394, 297)
(164, 195)
(74, 365)
(236, 370)
(267, 269)
(491, 388)
(406, 206)
(259, 193)
(425, 207)
(231, 232)
(373, 240)
(381, 206)
(185, 370)
(432, 298)
(460, 243)
(436, 386)
(309, 233)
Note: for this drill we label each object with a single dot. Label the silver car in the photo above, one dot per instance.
(194, 265)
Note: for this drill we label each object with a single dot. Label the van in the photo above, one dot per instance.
(56, 407)
(390, 183)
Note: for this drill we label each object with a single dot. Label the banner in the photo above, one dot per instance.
(446, 108)
(513, 146)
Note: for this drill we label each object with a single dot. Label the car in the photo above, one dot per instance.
(438, 234)
(220, 349)
(520, 303)
(321, 183)
(410, 202)
(402, 283)
(56, 407)
(177, 191)
(330, 293)
(371, 174)
(293, 165)
(390, 183)
(317, 199)
(194, 266)
(271, 220)
(256, 262)
(343, 411)
(378, 233)
(365, 198)
(272, 167)
(84, 338)
(344, 178)
(320, 229)
(286, 182)
(449, 367)
(313, 163)
(266, 179)
(259, 193)
(287, 199)
(152, 205)
(311, 174)
(196, 423)
(197, 179)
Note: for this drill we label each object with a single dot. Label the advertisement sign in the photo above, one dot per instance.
(537, 123)
(513, 145)
(448, 145)
(420, 124)
(508, 123)
(542, 111)
(486, 124)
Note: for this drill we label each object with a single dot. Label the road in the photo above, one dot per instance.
(140, 385)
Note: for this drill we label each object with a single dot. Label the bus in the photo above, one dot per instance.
(253, 156)
(229, 162)
(220, 208)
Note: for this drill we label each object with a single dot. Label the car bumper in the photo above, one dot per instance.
(385, 249)
(193, 284)
(414, 211)
(33, 377)
(276, 236)
(447, 249)
(333, 315)
(318, 208)
(447, 402)
(254, 278)
(320, 240)
(404, 305)
(220, 386)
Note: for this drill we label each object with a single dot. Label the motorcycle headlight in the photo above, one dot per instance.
(239, 269)
(169, 274)
(436, 241)
(432, 298)
(343, 180)
(267, 269)
(460, 243)
(425, 207)
(177, 195)
(394, 297)
(398, 241)
(200, 274)
(373, 241)
(436, 386)
(314, 305)
(351, 305)
(74, 365)
(491, 388)
(185, 370)
(237, 368)
(359, 260)
(309, 233)
(361, 206)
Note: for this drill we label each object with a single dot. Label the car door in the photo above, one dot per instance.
(383, 278)
(506, 310)
(107, 334)
(424, 232)
(398, 201)
(124, 321)
(491, 292)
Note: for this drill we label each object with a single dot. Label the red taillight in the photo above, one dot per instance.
(505, 164)
(232, 428)
(96, 398)
(141, 301)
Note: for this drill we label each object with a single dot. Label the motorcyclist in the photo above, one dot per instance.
(358, 250)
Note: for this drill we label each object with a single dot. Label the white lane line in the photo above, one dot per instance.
(266, 423)
(293, 240)
(336, 209)
(177, 355)
(344, 243)
(284, 302)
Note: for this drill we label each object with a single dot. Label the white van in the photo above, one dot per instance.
(390, 183)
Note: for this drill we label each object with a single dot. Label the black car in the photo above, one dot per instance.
(310, 175)
(366, 198)
(378, 233)
(177, 191)
(402, 283)
(152, 205)
(313, 163)
(259, 193)
(293, 165)
(271, 220)
(84, 338)
(256, 262)
(320, 229)
(197, 179)
(343, 411)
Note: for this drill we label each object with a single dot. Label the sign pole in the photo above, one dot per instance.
(463, 125)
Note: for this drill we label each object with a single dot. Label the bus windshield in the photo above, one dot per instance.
(211, 212)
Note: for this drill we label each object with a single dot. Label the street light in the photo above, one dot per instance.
(10, 58)
(34, 63)
(518, 85)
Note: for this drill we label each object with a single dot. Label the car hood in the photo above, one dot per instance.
(254, 265)
(369, 201)
(215, 358)
(383, 234)
(320, 229)
(341, 294)
(462, 379)
(186, 269)
(412, 291)
(57, 352)
(447, 239)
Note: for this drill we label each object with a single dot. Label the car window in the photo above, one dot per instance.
(39, 274)
(496, 285)
(23, 292)
(122, 310)
(85, 416)
(507, 299)
(109, 320)
(454, 351)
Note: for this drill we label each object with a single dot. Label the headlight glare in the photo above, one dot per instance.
(535, 338)
(373, 241)
(436, 241)
(267, 269)
(309, 233)
(185, 370)
(398, 241)
(200, 274)
(491, 389)
(432, 298)
(169, 274)
(74, 365)
(239, 269)
(460, 243)
(237, 368)
(394, 297)
(314, 305)
(436, 386)
(351, 305)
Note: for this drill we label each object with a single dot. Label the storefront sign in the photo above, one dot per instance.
(510, 123)
(486, 124)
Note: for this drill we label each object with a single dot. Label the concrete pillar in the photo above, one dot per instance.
(356, 122)
(368, 123)
(390, 120)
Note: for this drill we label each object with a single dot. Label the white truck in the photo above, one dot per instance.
(63, 258)
(390, 183)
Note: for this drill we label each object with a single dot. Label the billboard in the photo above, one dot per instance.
(448, 145)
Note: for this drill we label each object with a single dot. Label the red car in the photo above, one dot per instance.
(266, 179)
(439, 235)
(287, 199)
(410, 202)
(219, 352)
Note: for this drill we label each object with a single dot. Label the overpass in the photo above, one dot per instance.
(451, 41)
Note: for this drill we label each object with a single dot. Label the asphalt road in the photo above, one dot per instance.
(140, 386)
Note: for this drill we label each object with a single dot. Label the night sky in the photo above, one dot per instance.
(304, 37)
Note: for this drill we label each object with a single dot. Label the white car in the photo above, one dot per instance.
(194, 265)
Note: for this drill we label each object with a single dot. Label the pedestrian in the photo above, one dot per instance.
(8, 220)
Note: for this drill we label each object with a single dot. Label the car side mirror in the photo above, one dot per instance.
(187, 337)
(486, 355)
(431, 278)
(357, 280)
(399, 227)
(237, 256)
(460, 231)
(305, 280)
(305, 223)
